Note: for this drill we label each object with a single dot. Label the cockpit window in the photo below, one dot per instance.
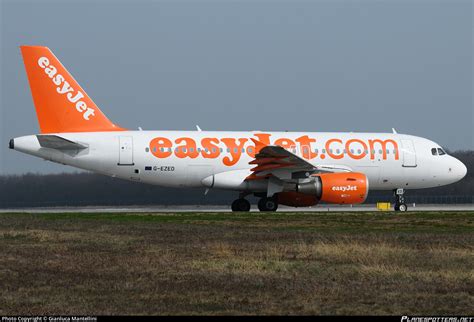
(434, 151)
(441, 151)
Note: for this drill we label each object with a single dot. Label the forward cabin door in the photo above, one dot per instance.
(125, 150)
(409, 154)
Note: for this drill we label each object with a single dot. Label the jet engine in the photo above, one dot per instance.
(338, 188)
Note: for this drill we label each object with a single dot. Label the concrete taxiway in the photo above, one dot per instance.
(221, 208)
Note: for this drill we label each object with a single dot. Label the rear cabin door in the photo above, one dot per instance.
(409, 154)
(125, 150)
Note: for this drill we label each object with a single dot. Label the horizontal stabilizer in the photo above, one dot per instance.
(58, 143)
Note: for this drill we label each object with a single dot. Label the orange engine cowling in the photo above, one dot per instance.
(297, 199)
(338, 188)
(344, 187)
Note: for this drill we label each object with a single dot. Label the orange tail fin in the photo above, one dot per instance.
(61, 104)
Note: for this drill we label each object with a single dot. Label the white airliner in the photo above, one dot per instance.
(296, 169)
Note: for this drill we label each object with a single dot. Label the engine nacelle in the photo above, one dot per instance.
(338, 188)
(344, 187)
(296, 199)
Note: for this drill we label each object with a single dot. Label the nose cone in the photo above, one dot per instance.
(457, 170)
(461, 170)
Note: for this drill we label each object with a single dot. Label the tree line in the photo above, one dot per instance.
(89, 189)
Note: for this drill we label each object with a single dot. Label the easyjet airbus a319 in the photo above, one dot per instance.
(297, 169)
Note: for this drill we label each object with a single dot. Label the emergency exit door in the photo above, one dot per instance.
(409, 153)
(125, 150)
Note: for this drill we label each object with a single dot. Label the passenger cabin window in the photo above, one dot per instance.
(441, 151)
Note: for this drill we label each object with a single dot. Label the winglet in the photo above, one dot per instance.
(258, 145)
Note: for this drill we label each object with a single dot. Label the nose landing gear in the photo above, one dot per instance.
(400, 204)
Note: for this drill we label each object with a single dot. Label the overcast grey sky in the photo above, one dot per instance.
(249, 65)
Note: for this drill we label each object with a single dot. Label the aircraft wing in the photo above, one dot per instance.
(272, 160)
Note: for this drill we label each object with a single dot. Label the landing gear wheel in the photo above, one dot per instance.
(267, 204)
(400, 204)
(240, 204)
(402, 207)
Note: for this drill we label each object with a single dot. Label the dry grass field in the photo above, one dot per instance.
(201, 263)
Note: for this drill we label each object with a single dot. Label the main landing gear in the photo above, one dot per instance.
(264, 204)
(241, 204)
(267, 204)
(400, 204)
